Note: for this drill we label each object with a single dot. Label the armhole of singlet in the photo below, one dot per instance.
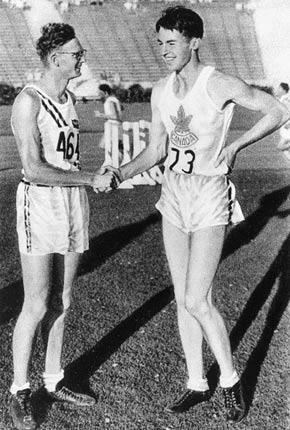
(205, 83)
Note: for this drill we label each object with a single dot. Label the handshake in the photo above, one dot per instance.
(107, 178)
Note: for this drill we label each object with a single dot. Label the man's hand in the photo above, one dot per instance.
(99, 114)
(104, 182)
(227, 155)
(109, 173)
(115, 170)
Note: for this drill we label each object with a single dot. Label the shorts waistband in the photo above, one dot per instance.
(35, 185)
(47, 186)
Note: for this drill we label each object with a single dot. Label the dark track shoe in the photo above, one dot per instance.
(234, 403)
(65, 395)
(189, 399)
(21, 411)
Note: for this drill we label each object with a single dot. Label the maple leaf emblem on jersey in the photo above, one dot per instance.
(181, 135)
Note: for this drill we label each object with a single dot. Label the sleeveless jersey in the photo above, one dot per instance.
(196, 128)
(107, 108)
(59, 130)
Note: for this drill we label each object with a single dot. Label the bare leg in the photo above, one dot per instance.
(65, 273)
(205, 252)
(66, 269)
(177, 246)
(36, 279)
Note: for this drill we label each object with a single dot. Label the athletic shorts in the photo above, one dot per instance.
(195, 202)
(52, 219)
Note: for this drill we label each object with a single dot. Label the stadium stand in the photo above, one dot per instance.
(123, 42)
(16, 46)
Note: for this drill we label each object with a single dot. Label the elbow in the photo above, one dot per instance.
(31, 173)
(30, 176)
(161, 154)
(158, 155)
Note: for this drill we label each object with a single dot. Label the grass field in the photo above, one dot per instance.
(121, 337)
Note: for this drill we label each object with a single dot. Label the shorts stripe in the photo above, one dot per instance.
(27, 224)
(230, 204)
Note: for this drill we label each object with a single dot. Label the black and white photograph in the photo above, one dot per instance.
(144, 214)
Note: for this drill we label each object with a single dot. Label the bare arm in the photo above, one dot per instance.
(24, 121)
(274, 114)
(156, 150)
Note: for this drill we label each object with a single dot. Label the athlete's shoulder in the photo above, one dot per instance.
(161, 84)
(27, 101)
(226, 86)
(225, 79)
(158, 88)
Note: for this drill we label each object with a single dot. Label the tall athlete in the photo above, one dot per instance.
(52, 214)
(192, 109)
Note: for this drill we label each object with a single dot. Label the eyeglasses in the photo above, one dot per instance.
(77, 55)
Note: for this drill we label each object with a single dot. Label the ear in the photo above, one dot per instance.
(194, 43)
(54, 59)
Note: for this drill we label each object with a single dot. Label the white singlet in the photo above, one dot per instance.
(197, 129)
(59, 127)
(107, 107)
(195, 194)
(54, 219)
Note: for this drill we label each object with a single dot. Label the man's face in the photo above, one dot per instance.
(71, 58)
(176, 49)
(103, 95)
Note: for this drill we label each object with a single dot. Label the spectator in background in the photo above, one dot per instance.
(112, 108)
(282, 93)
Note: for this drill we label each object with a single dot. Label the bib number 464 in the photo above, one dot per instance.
(67, 146)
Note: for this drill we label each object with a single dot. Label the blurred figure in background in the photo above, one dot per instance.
(112, 108)
(282, 93)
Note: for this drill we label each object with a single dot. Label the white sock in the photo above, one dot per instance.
(51, 379)
(197, 384)
(14, 388)
(229, 381)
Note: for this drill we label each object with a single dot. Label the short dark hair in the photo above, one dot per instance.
(284, 86)
(53, 35)
(105, 88)
(182, 19)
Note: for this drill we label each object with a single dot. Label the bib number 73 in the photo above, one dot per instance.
(185, 160)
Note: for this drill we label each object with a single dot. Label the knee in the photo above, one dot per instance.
(35, 308)
(180, 303)
(58, 307)
(197, 307)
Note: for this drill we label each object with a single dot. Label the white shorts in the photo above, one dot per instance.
(195, 202)
(52, 219)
